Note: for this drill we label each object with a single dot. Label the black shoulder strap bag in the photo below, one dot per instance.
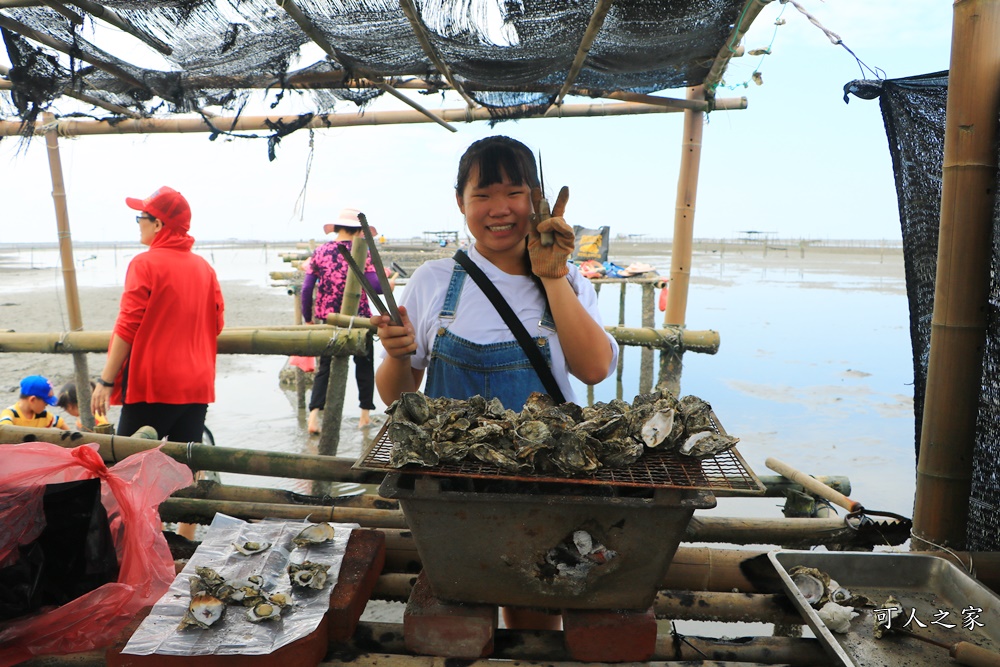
(524, 339)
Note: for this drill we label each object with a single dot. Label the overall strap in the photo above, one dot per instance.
(524, 339)
(453, 294)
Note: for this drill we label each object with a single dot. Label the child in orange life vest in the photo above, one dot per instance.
(31, 409)
(69, 402)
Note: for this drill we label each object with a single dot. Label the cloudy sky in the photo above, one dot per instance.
(798, 162)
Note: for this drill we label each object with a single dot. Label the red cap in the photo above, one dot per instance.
(166, 205)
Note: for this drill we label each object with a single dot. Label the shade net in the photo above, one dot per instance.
(511, 55)
(913, 110)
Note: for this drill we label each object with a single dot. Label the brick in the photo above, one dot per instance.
(305, 652)
(363, 562)
(609, 635)
(447, 629)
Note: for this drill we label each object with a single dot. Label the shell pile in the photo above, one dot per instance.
(211, 592)
(835, 604)
(545, 437)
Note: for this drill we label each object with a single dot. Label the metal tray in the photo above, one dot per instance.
(925, 585)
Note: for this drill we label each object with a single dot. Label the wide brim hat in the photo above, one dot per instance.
(349, 217)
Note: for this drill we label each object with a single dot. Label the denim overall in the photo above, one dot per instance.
(461, 369)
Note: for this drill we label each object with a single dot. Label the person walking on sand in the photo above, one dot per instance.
(31, 408)
(161, 360)
(452, 331)
(326, 274)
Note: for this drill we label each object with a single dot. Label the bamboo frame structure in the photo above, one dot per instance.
(962, 284)
(76, 128)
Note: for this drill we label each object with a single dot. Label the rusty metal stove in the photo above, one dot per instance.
(488, 536)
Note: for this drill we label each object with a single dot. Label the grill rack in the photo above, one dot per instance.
(725, 474)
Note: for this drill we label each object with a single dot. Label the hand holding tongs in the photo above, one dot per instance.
(389, 307)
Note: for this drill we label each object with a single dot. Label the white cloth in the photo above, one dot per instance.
(478, 321)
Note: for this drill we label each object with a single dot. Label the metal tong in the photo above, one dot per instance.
(389, 307)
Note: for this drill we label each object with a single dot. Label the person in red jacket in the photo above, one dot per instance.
(161, 359)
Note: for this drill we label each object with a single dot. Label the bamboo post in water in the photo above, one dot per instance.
(646, 356)
(81, 374)
(671, 365)
(621, 353)
(333, 411)
(300, 377)
(961, 293)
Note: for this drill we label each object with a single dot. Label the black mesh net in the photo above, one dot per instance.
(914, 113)
(511, 56)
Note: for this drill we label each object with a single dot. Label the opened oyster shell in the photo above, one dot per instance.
(307, 574)
(318, 533)
(204, 611)
(264, 611)
(251, 548)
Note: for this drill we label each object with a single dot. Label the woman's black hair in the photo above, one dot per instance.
(496, 157)
(67, 395)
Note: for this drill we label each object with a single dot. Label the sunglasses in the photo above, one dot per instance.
(140, 218)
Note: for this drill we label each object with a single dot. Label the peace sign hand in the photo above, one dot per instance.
(549, 261)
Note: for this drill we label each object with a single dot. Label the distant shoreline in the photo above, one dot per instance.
(643, 245)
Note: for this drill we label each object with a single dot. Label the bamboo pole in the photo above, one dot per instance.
(593, 27)
(80, 374)
(205, 489)
(420, 31)
(52, 43)
(114, 448)
(74, 128)
(305, 341)
(105, 14)
(310, 29)
(671, 365)
(750, 12)
(619, 372)
(961, 294)
(383, 645)
(65, 11)
(193, 510)
(646, 356)
(336, 388)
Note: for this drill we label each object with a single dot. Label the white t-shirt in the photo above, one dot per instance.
(478, 321)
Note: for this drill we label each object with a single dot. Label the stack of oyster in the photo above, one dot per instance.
(546, 438)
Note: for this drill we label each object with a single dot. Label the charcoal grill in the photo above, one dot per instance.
(488, 536)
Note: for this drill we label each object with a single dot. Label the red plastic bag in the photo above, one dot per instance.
(131, 492)
(307, 364)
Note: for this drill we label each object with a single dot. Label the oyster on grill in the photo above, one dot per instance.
(707, 443)
(547, 438)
